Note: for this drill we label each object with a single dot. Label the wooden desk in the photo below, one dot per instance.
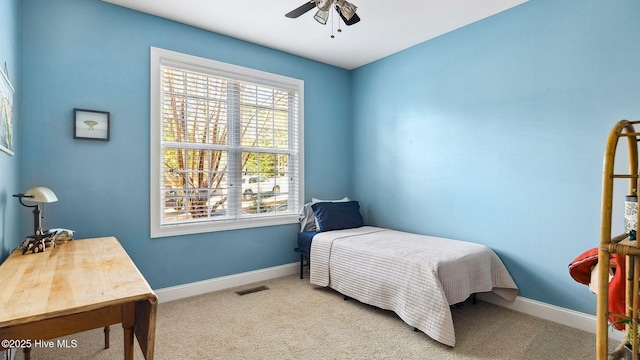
(76, 286)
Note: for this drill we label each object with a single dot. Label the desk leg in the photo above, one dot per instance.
(128, 323)
(27, 353)
(107, 330)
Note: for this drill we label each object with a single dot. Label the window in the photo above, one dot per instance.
(226, 146)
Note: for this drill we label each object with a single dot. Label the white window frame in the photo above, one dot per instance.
(188, 62)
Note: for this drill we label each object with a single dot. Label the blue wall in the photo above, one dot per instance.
(495, 133)
(94, 55)
(9, 165)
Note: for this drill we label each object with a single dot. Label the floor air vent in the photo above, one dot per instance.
(252, 290)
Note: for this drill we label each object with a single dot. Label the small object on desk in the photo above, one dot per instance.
(38, 242)
(62, 235)
(52, 237)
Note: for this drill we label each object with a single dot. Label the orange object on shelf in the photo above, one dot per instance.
(581, 269)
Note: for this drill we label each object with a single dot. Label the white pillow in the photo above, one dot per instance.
(306, 218)
(314, 200)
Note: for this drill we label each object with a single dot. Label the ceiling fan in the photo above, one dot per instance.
(345, 9)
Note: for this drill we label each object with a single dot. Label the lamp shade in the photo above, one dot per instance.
(323, 5)
(321, 16)
(40, 194)
(347, 9)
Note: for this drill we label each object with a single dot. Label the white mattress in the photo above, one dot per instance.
(416, 276)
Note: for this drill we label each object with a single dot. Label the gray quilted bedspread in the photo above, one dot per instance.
(416, 276)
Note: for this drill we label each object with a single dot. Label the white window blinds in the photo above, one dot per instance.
(228, 143)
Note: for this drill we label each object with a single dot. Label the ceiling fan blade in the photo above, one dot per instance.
(301, 10)
(354, 19)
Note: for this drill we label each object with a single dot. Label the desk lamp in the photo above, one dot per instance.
(37, 194)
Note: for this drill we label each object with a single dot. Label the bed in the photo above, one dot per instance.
(416, 276)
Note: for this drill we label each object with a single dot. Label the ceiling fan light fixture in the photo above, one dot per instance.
(324, 5)
(347, 9)
(321, 16)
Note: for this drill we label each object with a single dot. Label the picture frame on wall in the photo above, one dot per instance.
(91, 124)
(6, 114)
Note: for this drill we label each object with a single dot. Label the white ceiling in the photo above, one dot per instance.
(386, 26)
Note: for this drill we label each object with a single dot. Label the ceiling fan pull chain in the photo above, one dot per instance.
(332, 25)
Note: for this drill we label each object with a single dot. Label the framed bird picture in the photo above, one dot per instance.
(90, 124)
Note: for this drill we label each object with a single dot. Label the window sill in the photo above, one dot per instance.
(222, 225)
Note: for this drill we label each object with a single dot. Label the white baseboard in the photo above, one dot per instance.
(553, 313)
(225, 282)
(535, 308)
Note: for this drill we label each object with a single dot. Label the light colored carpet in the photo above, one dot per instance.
(295, 320)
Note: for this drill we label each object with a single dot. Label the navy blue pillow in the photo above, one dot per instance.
(337, 215)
